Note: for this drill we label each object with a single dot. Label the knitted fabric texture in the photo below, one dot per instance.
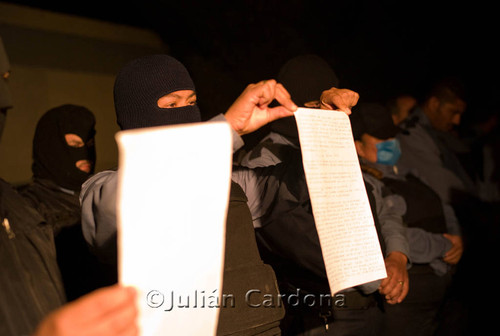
(140, 84)
(305, 77)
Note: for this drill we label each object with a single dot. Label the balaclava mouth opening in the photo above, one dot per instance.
(53, 158)
(140, 84)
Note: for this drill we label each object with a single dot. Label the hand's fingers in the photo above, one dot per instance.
(266, 91)
(389, 287)
(398, 298)
(278, 112)
(340, 99)
(452, 258)
(395, 291)
(103, 301)
(384, 284)
(325, 106)
(283, 97)
(454, 251)
(404, 292)
(354, 99)
(453, 255)
(118, 322)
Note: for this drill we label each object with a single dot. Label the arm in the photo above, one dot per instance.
(389, 210)
(396, 286)
(426, 246)
(98, 196)
(98, 203)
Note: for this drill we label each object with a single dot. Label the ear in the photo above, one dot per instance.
(359, 148)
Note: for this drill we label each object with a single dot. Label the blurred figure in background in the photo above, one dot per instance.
(431, 227)
(401, 107)
(63, 158)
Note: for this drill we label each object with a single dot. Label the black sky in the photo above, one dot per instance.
(378, 48)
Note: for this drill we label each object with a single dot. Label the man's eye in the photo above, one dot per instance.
(192, 102)
(171, 105)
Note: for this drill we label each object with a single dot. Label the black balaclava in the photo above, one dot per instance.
(53, 158)
(141, 83)
(305, 77)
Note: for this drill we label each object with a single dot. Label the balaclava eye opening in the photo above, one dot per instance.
(140, 84)
(53, 158)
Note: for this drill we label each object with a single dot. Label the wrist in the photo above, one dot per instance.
(399, 257)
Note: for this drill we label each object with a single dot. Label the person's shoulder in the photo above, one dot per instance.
(413, 133)
(272, 150)
(101, 176)
(97, 180)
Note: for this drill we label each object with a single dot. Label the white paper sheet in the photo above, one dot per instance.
(340, 205)
(173, 194)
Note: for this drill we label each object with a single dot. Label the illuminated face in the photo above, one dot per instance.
(178, 99)
(446, 116)
(75, 141)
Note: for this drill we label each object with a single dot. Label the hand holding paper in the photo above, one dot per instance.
(172, 203)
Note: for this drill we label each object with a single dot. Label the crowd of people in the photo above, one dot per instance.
(432, 189)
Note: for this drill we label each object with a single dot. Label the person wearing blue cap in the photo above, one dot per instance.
(431, 227)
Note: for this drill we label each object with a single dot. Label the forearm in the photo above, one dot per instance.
(426, 246)
(391, 225)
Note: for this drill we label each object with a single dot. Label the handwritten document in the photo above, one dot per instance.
(340, 205)
(173, 195)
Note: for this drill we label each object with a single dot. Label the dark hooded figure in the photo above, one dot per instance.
(157, 90)
(56, 156)
(63, 158)
(288, 238)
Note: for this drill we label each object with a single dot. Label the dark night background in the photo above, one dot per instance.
(377, 48)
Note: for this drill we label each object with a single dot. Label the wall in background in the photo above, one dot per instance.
(58, 59)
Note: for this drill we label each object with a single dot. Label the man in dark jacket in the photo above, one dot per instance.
(63, 158)
(287, 234)
(30, 281)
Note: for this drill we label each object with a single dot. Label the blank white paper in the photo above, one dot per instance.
(173, 195)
